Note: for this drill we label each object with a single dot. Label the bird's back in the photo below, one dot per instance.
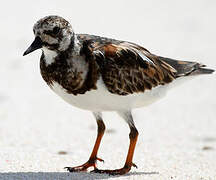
(128, 68)
(183, 68)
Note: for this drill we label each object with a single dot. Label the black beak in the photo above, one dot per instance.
(37, 43)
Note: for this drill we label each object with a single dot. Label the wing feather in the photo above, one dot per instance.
(127, 68)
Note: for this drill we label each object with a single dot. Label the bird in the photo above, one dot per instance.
(101, 74)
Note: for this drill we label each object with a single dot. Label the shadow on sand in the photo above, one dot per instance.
(62, 175)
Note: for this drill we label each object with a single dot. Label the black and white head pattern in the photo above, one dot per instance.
(55, 32)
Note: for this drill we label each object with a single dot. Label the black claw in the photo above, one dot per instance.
(94, 171)
(101, 160)
(97, 171)
(68, 169)
(134, 165)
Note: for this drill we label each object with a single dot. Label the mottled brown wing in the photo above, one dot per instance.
(127, 68)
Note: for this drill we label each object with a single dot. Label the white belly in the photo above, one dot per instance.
(102, 100)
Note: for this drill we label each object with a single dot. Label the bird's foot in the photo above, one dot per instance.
(121, 171)
(85, 166)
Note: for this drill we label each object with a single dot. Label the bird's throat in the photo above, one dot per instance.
(49, 55)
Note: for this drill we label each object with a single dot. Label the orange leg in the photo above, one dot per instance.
(93, 158)
(129, 160)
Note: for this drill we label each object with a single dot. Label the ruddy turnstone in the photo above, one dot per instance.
(101, 74)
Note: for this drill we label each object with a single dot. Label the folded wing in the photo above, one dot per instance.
(127, 68)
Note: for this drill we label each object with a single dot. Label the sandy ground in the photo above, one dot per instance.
(177, 135)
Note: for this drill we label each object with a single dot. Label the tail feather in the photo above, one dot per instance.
(202, 71)
(187, 68)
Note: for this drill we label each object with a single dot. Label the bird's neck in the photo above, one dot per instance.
(68, 68)
(70, 49)
(49, 56)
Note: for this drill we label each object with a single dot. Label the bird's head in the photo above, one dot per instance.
(52, 33)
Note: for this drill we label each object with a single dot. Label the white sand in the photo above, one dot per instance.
(177, 135)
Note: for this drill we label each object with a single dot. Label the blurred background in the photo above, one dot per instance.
(35, 124)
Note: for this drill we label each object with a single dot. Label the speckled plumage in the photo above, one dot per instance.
(122, 68)
(102, 74)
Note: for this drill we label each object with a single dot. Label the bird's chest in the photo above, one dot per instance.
(66, 74)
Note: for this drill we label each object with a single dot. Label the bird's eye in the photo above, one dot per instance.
(56, 30)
